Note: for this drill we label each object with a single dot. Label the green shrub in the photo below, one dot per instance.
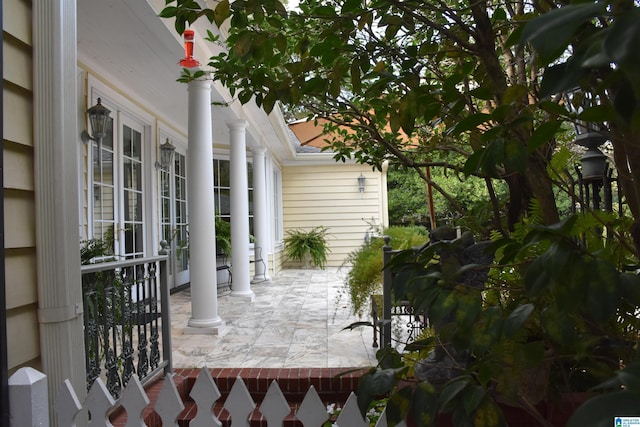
(223, 236)
(365, 276)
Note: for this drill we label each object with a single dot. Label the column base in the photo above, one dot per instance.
(243, 295)
(261, 278)
(199, 327)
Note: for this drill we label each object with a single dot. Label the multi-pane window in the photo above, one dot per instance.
(222, 190)
(181, 222)
(277, 206)
(132, 193)
(174, 224)
(103, 209)
(116, 174)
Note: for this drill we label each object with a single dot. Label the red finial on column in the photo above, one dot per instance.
(188, 61)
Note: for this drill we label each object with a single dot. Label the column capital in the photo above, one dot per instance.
(258, 149)
(200, 84)
(238, 124)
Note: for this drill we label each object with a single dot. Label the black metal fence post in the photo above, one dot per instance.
(164, 305)
(385, 340)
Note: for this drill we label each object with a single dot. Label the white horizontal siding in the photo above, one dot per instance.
(329, 196)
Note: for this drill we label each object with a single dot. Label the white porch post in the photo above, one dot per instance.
(260, 229)
(56, 141)
(202, 243)
(241, 286)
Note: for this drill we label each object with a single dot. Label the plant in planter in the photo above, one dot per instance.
(307, 246)
(364, 277)
(223, 236)
(557, 315)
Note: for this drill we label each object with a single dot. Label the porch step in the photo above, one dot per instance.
(329, 383)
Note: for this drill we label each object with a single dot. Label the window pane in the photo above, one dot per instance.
(107, 140)
(224, 173)
(224, 203)
(126, 141)
(136, 145)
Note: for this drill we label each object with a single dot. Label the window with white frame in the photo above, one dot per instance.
(222, 190)
(117, 171)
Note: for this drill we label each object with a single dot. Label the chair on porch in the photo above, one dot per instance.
(257, 258)
(222, 264)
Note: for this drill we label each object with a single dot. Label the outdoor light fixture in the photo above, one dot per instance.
(98, 119)
(588, 135)
(188, 61)
(361, 179)
(166, 155)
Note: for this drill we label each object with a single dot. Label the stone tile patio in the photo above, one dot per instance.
(296, 320)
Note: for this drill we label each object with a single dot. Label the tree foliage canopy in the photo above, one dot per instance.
(472, 86)
(475, 87)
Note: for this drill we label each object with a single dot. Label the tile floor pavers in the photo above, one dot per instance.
(296, 320)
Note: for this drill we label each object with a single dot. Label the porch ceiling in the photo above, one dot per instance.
(127, 44)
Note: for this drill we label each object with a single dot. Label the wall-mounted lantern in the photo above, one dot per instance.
(361, 180)
(98, 120)
(166, 156)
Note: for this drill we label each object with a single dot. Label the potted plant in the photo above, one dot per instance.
(364, 276)
(310, 246)
(223, 251)
(223, 236)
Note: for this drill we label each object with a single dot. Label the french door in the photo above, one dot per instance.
(119, 191)
(175, 226)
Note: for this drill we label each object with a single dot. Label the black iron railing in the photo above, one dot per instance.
(127, 328)
(386, 307)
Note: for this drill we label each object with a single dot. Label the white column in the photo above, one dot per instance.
(241, 285)
(202, 242)
(56, 141)
(260, 223)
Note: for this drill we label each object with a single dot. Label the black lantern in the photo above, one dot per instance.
(166, 155)
(98, 119)
(589, 135)
(361, 179)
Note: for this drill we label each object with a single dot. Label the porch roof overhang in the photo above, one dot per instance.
(128, 45)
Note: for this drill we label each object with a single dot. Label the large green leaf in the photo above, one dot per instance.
(473, 397)
(221, 12)
(488, 414)
(350, 6)
(601, 411)
(376, 383)
(550, 33)
(604, 290)
(558, 326)
(470, 123)
(399, 405)
(543, 134)
(561, 78)
(452, 391)
(621, 44)
(517, 319)
(424, 405)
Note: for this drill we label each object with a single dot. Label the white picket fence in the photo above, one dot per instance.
(29, 405)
